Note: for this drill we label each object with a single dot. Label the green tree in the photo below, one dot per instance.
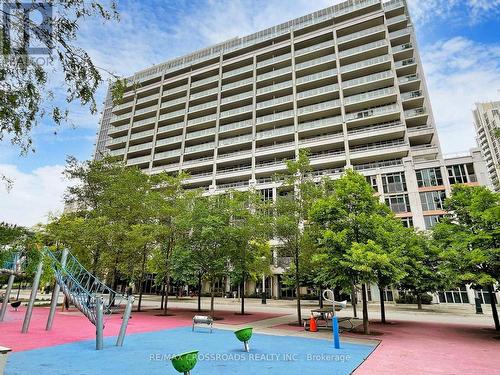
(469, 237)
(298, 192)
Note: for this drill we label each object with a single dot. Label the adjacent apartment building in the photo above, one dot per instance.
(487, 124)
(345, 82)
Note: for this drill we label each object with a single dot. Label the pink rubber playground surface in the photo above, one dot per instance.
(71, 326)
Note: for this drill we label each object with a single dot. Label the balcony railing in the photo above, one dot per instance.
(145, 110)
(420, 128)
(167, 154)
(234, 169)
(234, 98)
(236, 153)
(372, 112)
(338, 135)
(201, 94)
(362, 48)
(143, 146)
(274, 60)
(147, 98)
(318, 91)
(196, 161)
(139, 160)
(397, 33)
(275, 116)
(277, 86)
(400, 64)
(329, 121)
(165, 167)
(359, 34)
(313, 62)
(173, 102)
(122, 106)
(235, 72)
(170, 127)
(233, 185)
(200, 107)
(409, 78)
(316, 76)
(150, 120)
(393, 20)
(275, 101)
(233, 85)
(169, 140)
(200, 147)
(270, 163)
(115, 141)
(116, 129)
(326, 172)
(235, 125)
(365, 63)
(393, 4)
(236, 111)
(274, 73)
(204, 81)
(275, 132)
(200, 120)
(200, 133)
(378, 146)
(373, 128)
(415, 112)
(118, 152)
(378, 164)
(235, 140)
(315, 47)
(165, 116)
(324, 154)
(369, 95)
(145, 133)
(275, 146)
(411, 95)
(319, 107)
(175, 90)
(116, 118)
(402, 47)
(367, 79)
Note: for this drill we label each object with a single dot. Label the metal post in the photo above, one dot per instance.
(264, 290)
(99, 323)
(126, 315)
(55, 294)
(31, 303)
(6, 297)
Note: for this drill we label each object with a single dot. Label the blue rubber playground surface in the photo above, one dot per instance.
(219, 353)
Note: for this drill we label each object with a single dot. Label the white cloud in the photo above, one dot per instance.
(33, 196)
(459, 73)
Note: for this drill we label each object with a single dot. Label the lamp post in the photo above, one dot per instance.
(263, 295)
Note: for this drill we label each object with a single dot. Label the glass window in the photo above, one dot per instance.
(457, 174)
(432, 200)
(398, 203)
(372, 180)
(431, 220)
(267, 194)
(394, 182)
(407, 222)
(429, 177)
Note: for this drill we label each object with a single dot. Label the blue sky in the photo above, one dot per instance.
(459, 44)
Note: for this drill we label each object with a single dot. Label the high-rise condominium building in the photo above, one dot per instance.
(487, 124)
(345, 82)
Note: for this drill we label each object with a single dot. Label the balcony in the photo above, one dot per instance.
(271, 163)
(319, 107)
(315, 62)
(173, 102)
(365, 64)
(169, 140)
(201, 161)
(236, 111)
(247, 153)
(275, 102)
(141, 147)
(398, 33)
(412, 113)
(235, 125)
(326, 172)
(372, 112)
(318, 91)
(393, 4)
(205, 81)
(275, 117)
(275, 87)
(274, 73)
(169, 115)
(363, 48)
(119, 152)
(203, 106)
(235, 72)
(275, 132)
(324, 139)
(421, 134)
(402, 47)
(139, 160)
(319, 124)
(397, 19)
(242, 168)
(235, 140)
(118, 129)
(360, 34)
(235, 98)
(167, 154)
(120, 107)
(202, 94)
(175, 90)
(367, 79)
(275, 147)
(369, 96)
(142, 111)
(406, 96)
(274, 60)
(407, 63)
(201, 120)
(239, 184)
(200, 133)
(170, 127)
(378, 164)
(147, 98)
(423, 150)
(408, 78)
(391, 127)
(118, 118)
(143, 134)
(314, 48)
(165, 168)
(326, 154)
(146, 121)
(116, 141)
(317, 76)
(233, 85)
(377, 146)
(198, 148)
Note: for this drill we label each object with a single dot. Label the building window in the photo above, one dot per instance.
(398, 203)
(372, 180)
(457, 174)
(454, 296)
(432, 200)
(394, 182)
(267, 194)
(407, 222)
(429, 177)
(431, 220)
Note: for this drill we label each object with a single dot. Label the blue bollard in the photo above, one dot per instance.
(336, 338)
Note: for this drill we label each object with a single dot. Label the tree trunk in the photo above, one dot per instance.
(320, 298)
(419, 301)
(297, 288)
(167, 287)
(143, 268)
(199, 292)
(382, 303)
(366, 326)
(493, 307)
(162, 292)
(212, 298)
(353, 300)
(242, 295)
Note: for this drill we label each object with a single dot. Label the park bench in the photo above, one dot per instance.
(203, 319)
